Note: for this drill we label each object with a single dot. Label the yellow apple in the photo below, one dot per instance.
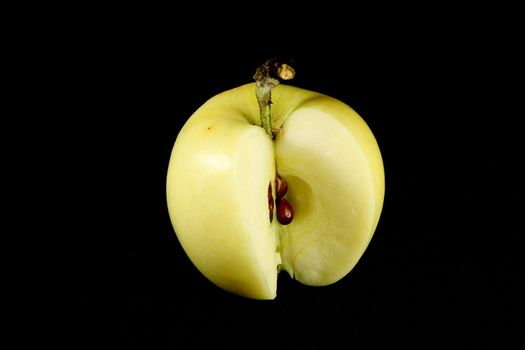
(224, 164)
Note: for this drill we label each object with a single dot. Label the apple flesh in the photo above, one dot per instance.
(222, 167)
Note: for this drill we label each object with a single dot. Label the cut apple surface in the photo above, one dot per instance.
(223, 164)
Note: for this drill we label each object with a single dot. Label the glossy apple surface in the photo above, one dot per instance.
(220, 170)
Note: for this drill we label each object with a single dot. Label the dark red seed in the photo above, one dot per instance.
(281, 187)
(284, 212)
(270, 201)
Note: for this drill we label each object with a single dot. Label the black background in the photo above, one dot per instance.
(444, 266)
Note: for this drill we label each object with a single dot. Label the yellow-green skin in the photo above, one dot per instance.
(217, 189)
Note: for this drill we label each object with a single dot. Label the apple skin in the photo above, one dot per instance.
(217, 189)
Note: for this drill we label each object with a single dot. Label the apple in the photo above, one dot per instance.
(246, 204)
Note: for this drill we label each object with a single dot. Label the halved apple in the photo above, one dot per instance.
(223, 165)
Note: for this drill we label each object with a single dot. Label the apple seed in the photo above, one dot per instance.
(284, 212)
(281, 187)
(270, 201)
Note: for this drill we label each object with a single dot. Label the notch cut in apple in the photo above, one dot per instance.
(220, 170)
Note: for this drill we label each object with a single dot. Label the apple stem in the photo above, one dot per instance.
(266, 78)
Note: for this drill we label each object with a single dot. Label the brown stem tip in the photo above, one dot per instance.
(266, 78)
(273, 69)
